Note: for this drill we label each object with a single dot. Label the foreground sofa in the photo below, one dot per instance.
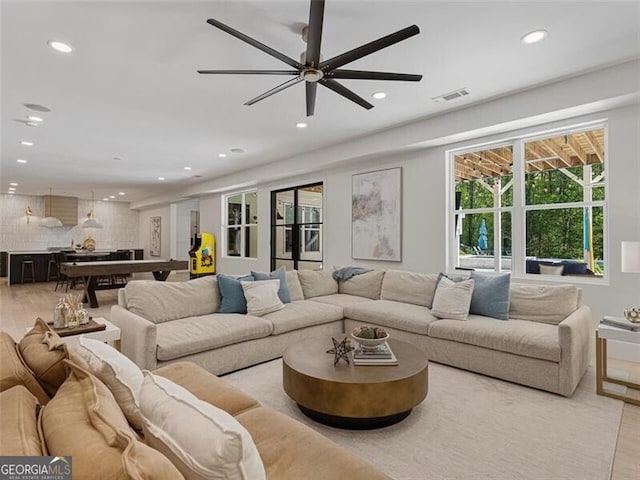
(543, 344)
(50, 405)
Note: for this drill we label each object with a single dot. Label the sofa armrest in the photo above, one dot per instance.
(575, 335)
(138, 337)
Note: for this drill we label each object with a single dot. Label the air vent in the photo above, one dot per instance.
(445, 97)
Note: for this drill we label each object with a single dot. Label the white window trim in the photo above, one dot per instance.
(226, 226)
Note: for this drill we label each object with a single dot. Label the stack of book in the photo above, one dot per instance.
(621, 322)
(381, 355)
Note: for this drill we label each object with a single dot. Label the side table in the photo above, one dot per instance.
(604, 333)
(109, 334)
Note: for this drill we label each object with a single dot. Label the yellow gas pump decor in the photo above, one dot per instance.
(202, 255)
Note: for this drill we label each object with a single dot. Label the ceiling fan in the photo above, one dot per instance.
(313, 70)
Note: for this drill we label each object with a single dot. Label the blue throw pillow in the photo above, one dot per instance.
(233, 300)
(491, 295)
(280, 274)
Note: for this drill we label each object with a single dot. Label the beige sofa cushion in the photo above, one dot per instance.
(42, 350)
(301, 314)
(164, 301)
(543, 303)
(190, 335)
(121, 375)
(364, 285)
(19, 425)
(203, 441)
(520, 337)
(13, 372)
(408, 287)
(83, 420)
(402, 316)
(207, 387)
(293, 283)
(341, 299)
(290, 450)
(316, 283)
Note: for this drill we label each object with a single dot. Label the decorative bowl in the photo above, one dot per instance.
(632, 314)
(370, 343)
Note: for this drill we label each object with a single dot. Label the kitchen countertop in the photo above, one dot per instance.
(47, 252)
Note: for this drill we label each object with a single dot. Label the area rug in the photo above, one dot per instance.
(474, 427)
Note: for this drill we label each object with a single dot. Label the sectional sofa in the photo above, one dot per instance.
(544, 343)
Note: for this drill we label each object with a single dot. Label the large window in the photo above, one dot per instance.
(296, 227)
(535, 205)
(240, 218)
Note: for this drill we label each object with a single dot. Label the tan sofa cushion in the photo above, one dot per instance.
(521, 337)
(303, 314)
(189, 335)
(408, 287)
(163, 301)
(402, 316)
(203, 441)
(293, 283)
(19, 423)
(364, 285)
(341, 299)
(208, 387)
(290, 450)
(83, 420)
(316, 283)
(543, 303)
(44, 352)
(13, 372)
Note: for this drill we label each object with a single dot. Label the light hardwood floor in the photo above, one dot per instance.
(21, 304)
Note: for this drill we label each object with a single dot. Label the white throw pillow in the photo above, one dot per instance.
(452, 299)
(201, 440)
(262, 296)
(121, 375)
(551, 269)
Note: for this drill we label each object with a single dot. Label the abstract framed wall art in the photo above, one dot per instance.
(376, 215)
(155, 236)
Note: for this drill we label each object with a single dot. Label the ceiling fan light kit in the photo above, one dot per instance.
(312, 69)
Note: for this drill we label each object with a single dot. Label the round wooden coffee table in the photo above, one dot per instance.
(354, 396)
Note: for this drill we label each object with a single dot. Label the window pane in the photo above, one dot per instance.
(283, 242)
(310, 204)
(251, 201)
(505, 259)
(558, 167)
(287, 264)
(311, 242)
(234, 210)
(572, 237)
(234, 242)
(476, 241)
(309, 265)
(251, 241)
(284, 208)
(483, 176)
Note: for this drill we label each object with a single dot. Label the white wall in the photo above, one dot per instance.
(121, 225)
(145, 231)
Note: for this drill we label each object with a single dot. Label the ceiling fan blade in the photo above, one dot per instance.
(369, 48)
(312, 88)
(345, 92)
(365, 75)
(261, 46)
(250, 72)
(279, 88)
(314, 34)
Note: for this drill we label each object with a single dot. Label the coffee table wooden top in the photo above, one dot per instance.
(354, 391)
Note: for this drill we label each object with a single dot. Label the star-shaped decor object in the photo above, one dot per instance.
(340, 351)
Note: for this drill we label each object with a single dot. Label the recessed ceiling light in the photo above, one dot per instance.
(301, 125)
(13, 184)
(112, 196)
(105, 199)
(12, 188)
(222, 155)
(121, 193)
(20, 160)
(33, 118)
(32, 124)
(26, 144)
(379, 95)
(187, 168)
(160, 178)
(60, 46)
(10, 192)
(535, 36)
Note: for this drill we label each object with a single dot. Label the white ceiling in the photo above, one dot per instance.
(130, 88)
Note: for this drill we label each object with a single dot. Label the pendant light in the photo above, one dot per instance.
(92, 221)
(49, 221)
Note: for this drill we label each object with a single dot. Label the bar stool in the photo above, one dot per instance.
(28, 262)
(54, 264)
